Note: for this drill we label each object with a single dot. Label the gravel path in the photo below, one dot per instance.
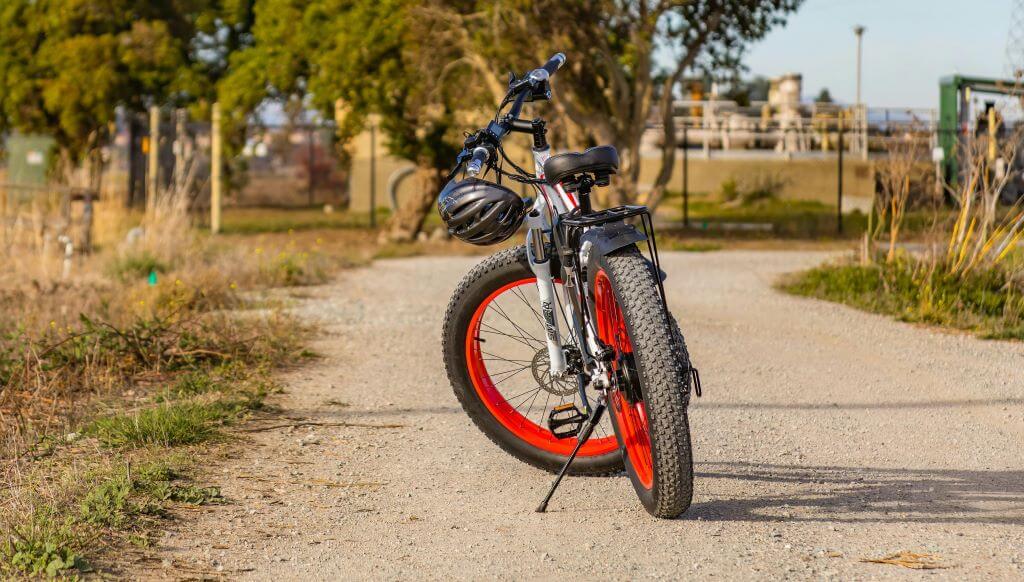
(825, 436)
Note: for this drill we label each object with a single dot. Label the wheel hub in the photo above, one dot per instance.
(627, 378)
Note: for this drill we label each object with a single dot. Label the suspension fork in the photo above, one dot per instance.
(540, 264)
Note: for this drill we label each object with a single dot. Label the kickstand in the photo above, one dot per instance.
(588, 429)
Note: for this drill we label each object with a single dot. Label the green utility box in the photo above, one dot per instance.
(28, 159)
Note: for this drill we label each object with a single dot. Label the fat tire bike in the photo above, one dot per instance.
(541, 339)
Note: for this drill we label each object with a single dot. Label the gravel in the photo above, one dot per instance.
(825, 435)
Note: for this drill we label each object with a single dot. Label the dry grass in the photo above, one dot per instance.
(136, 351)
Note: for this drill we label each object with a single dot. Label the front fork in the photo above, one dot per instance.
(537, 253)
(540, 264)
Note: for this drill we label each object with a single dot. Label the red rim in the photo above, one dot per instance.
(509, 417)
(631, 418)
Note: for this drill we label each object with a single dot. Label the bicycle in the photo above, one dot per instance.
(541, 339)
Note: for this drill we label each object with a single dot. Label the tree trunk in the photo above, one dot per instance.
(408, 219)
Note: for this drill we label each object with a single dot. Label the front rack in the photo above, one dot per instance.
(603, 216)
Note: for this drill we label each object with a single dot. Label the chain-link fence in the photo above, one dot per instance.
(282, 165)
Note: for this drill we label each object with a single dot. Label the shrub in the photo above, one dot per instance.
(759, 189)
(136, 265)
(989, 302)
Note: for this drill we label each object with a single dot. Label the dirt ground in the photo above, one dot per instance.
(825, 436)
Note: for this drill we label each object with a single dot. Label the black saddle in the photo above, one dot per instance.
(601, 161)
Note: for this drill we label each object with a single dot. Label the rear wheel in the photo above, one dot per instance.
(497, 361)
(651, 379)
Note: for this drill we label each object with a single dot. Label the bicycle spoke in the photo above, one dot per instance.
(520, 395)
(520, 339)
(514, 324)
(527, 415)
(545, 409)
(522, 296)
(510, 360)
(510, 376)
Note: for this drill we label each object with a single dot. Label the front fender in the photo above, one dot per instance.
(610, 237)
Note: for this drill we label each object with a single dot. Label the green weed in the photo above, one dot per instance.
(136, 265)
(167, 425)
(293, 268)
(987, 302)
(35, 558)
(674, 244)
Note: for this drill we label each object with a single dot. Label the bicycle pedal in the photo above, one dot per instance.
(565, 421)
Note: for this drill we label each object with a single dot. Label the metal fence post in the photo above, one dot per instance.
(310, 162)
(686, 178)
(839, 185)
(373, 175)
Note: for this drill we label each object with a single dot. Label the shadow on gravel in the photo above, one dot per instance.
(792, 493)
(967, 403)
(328, 411)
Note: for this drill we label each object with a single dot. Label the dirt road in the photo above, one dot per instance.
(825, 436)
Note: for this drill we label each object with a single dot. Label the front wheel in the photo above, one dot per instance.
(651, 382)
(497, 360)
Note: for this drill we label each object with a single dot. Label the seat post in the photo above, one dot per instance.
(586, 183)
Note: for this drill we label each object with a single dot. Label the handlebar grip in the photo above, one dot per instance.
(542, 74)
(480, 155)
(554, 63)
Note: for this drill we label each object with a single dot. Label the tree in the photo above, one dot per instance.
(611, 86)
(744, 92)
(67, 65)
(824, 96)
(377, 58)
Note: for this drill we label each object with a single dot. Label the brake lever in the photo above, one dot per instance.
(459, 160)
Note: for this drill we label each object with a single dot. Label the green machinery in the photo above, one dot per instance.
(955, 123)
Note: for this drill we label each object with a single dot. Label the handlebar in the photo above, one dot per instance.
(536, 79)
(484, 142)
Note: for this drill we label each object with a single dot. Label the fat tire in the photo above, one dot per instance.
(663, 365)
(491, 274)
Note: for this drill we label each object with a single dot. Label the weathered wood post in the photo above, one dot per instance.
(153, 169)
(180, 131)
(215, 167)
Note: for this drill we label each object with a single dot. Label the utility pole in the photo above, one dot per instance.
(859, 31)
(215, 167)
(862, 121)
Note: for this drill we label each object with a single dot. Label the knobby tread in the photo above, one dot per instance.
(460, 308)
(663, 365)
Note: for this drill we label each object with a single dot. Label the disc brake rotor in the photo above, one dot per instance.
(541, 368)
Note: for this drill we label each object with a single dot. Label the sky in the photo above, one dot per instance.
(908, 46)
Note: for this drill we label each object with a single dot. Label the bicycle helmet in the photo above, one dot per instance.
(480, 212)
